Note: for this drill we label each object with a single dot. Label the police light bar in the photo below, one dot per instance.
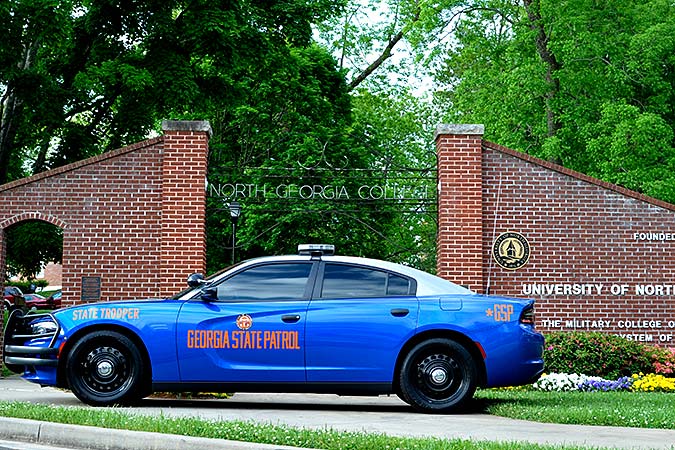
(316, 249)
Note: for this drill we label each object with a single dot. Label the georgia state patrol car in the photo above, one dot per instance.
(312, 322)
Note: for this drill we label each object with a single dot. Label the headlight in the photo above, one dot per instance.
(45, 326)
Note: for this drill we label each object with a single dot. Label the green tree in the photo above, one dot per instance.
(291, 122)
(401, 126)
(78, 77)
(585, 84)
(30, 245)
(82, 76)
(369, 40)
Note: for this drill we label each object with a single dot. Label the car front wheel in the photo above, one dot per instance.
(105, 368)
(438, 375)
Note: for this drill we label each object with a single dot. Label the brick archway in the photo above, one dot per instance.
(132, 218)
(35, 215)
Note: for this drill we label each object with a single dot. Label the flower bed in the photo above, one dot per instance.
(561, 382)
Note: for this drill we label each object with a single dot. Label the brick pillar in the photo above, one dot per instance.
(183, 241)
(3, 248)
(460, 202)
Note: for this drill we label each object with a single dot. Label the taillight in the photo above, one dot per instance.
(527, 316)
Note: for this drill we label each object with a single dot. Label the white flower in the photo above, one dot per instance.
(561, 382)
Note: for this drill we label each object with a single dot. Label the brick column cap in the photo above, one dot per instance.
(461, 128)
(187, 125)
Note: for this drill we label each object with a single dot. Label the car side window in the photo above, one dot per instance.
(284, 281)
(397, 285)
(343, 281)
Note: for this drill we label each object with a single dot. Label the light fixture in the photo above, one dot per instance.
(235, 213)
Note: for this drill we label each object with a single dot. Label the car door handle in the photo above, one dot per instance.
(400, 312)
(290, 318)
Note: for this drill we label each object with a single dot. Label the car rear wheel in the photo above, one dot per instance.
(438, 375)
(105, 368)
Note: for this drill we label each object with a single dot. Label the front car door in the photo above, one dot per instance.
(357, 322)
(253, 331)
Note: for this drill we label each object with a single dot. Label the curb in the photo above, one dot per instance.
(86, 437)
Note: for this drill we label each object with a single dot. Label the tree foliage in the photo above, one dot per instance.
(401, 125)
(369, 40)
(81, 76)
(585, 84)
(31, 244)
(78, 77)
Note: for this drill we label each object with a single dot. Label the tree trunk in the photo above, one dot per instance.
(9, 109)
(552, 65)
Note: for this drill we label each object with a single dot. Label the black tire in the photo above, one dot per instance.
(438, 375)
(105, 368)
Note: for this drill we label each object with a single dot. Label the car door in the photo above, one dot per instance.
(253, 331)
(357, 322)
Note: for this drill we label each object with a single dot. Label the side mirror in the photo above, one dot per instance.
(196, 279)
(210, 295)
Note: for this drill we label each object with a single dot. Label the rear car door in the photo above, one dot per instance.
(253, 331)
(357, 322)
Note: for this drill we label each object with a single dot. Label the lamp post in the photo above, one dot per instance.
(235, 212)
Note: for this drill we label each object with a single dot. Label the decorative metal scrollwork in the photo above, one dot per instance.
(325, 161)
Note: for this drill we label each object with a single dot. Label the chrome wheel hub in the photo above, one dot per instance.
(439, 376)
(104, 369)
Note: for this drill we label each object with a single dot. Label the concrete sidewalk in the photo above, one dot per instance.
(387, 415)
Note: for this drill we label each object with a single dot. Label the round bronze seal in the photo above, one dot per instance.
(244, 321)
(511, 250)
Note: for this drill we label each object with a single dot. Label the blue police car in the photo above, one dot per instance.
(313, 322)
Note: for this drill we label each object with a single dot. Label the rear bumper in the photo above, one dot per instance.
(516, 361)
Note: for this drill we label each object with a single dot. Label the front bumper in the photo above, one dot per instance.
(25, 348)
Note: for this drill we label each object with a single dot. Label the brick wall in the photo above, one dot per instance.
(132, 219)
(600, 255)
(52, 274)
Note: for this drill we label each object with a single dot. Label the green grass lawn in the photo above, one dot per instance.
(620, 409)
(249, 431)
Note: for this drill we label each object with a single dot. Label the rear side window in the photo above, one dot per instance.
(265, 283)
(398, 285)
(343, 281)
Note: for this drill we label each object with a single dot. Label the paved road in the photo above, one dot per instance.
(381, 415)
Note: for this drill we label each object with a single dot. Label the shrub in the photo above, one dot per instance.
(25, 285)
(663, 360)
(596, 354)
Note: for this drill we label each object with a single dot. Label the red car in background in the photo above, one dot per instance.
(13, 297)
(37, 301)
